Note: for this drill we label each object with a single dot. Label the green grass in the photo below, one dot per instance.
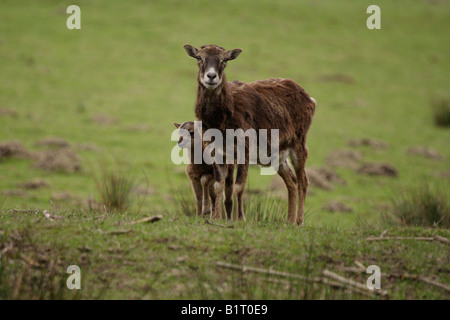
(176, 257)
(115, 189)
(114, 88)
(425, 206)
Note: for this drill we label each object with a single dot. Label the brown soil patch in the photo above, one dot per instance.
(104, 119)
(13, 149)
(334, 206)
(8, 113)
(425, 152)
(15, 193)
(34, 184)
(53, 142)
(344, 158)
(323, 178)
(64, 160)
(378, 169)
(375, 144)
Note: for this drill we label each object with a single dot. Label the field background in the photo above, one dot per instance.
(113, 89)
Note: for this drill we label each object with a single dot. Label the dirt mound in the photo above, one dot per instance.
(323, 178)
(375, 144)
(53, 142)
(8, 113)
(335, 206)
(425, 152)
(104, 119)
(64, 160)
(13, 149)
(344, 158)
(34, 184)
(14, 193)
(378, 169)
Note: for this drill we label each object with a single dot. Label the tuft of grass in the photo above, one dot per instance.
(424, 206)
(266, 209)
(441, 112)
(185, 201)
(115, 189)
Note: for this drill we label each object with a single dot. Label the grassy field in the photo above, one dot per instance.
(102, 99)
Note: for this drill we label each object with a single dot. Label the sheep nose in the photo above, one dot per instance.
(211, 75)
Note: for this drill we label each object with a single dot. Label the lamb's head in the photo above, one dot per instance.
(186, 133)
(212, 61)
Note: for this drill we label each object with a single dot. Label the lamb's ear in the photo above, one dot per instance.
(177, 125)
(233, 54)
(191, 51)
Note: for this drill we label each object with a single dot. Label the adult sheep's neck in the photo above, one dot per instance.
(214, 107)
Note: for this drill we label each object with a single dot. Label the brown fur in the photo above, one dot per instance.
(266, 104)
(201, 177)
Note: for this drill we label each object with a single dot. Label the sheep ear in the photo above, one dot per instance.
(177, 125)
(191, 51)
(233, 54)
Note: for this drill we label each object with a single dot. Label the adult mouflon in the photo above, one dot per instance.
(265, 104)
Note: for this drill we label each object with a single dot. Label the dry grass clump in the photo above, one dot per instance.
(441, 112)
(115, 189)
(424, 206)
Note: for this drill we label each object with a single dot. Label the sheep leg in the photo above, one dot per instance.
(206, 182)
(298, 158)
(239, 188)
(229, 192)
(289, 179)
(219, 186)
(212, 195)
(197, 188)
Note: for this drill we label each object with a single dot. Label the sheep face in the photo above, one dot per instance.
(212, 61)
(186, 133)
